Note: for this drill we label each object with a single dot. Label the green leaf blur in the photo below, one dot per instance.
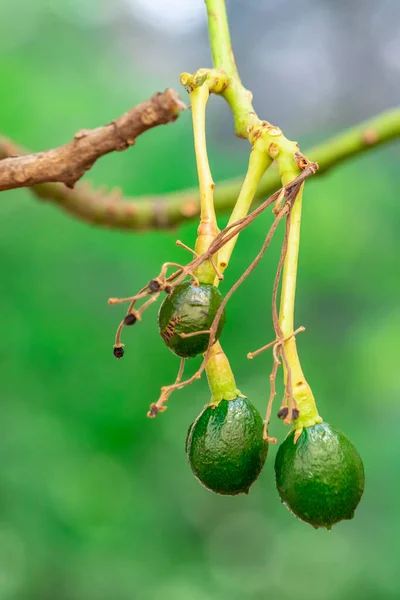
(97, 502)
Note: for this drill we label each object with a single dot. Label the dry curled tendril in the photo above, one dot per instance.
(282, 201)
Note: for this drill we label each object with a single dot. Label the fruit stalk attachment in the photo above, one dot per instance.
(296, 387)
(220, 377)
(208, 228)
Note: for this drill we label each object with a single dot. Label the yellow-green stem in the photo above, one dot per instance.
(258, 163)
(220, 377)
(288, 289)
(208, 224)
(270, 140)
(301, 390)
(219, 373)
(220, 39)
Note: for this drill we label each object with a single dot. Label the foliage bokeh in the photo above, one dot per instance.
(96, 501)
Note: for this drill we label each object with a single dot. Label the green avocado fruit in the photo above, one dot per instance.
(321, 477)
(225, 446)
(188, 309)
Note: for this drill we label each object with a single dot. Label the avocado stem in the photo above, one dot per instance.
(301, 391)
(259, 162)
(220, 376)
(208, 228)
(219, 373)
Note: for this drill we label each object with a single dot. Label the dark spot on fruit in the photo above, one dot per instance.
(186, 310)
(170, 329)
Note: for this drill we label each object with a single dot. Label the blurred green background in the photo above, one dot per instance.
(97, 502)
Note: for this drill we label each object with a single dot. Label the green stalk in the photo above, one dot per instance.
(258, 163)
(238, 98)
(301, 390)
(208, 228)
(220, 39)
(219, 373)
(220, 376)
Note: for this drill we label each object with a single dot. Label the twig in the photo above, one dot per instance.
(278, 347)
(183, 271)
(213, 329)
(158, 406)
(110, 209)
(251, 355)
(272, 394)
(66, 164)
(230, 231)
(279, 342)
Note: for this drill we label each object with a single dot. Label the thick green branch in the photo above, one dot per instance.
(238, 98)
(111, 210)
(220, 39)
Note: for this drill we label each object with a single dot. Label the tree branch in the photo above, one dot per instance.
(111, 210)
(236, 95)
(68, 163)
(220, 38)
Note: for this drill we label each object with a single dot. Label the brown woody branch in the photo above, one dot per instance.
(66, 164)
(110, 209)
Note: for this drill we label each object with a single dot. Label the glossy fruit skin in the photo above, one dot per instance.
(188, 309)
(225, 446)
(321, 477)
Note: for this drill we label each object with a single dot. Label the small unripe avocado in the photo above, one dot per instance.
(189, 309)
(321, 477)
(225, 446)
